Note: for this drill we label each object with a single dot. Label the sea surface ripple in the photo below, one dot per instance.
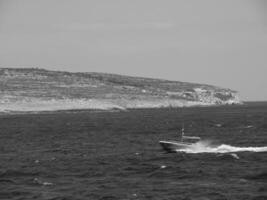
(116, 155)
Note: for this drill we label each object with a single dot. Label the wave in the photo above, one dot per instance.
(208, 147)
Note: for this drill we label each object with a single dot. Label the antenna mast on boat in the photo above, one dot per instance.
(182, 111)
(182, 132)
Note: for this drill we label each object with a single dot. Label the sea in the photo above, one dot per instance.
(113, 155)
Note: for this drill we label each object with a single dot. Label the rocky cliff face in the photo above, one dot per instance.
(34, 89)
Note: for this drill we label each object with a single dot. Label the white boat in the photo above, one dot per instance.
(184, 143)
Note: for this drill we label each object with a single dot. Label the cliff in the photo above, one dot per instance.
(32, 89)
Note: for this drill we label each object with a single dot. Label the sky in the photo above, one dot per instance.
(217, 42)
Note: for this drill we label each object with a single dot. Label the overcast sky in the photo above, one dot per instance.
(219, 42)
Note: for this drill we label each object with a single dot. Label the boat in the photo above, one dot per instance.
(184, 143)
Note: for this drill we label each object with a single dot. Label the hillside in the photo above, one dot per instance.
(32, 89)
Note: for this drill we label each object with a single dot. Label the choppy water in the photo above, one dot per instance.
(116, 155)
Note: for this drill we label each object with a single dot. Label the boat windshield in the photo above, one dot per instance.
(190, 138)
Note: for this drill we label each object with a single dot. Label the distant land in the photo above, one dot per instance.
(34, 89)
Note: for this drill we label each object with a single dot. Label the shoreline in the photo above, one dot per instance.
(84, 110)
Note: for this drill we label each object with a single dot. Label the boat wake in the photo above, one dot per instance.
(208, 147)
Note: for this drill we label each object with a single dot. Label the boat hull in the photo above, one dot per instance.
(172, 146)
